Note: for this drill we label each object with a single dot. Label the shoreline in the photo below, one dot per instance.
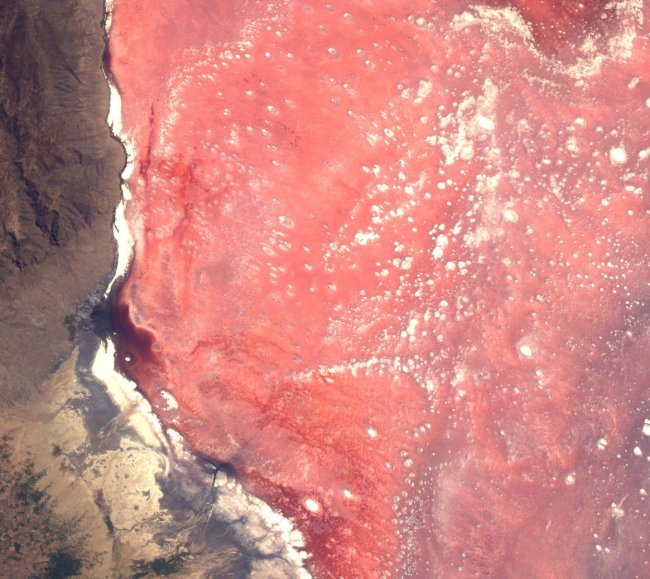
(230, 501)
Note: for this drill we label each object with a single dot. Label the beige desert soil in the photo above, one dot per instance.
(111, 501)
(71, 522)
(72, 455)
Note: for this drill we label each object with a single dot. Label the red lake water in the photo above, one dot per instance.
(391, 261)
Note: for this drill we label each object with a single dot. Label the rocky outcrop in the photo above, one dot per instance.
(59, 179)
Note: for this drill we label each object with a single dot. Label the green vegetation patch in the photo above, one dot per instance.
(162, 566)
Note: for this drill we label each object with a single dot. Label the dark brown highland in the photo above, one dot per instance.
(59, 180)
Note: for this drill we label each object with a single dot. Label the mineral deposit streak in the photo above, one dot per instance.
(391, 263)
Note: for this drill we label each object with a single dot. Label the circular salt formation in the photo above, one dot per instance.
(618, 155)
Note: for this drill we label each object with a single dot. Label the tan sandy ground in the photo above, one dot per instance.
(114, 477)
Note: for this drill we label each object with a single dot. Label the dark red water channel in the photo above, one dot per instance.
(392, 262)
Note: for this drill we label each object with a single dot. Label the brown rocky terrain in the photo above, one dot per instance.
(59, 181)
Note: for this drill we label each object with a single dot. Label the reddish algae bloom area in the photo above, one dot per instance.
(392, 262)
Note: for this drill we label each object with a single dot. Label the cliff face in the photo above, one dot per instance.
(59, 178)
